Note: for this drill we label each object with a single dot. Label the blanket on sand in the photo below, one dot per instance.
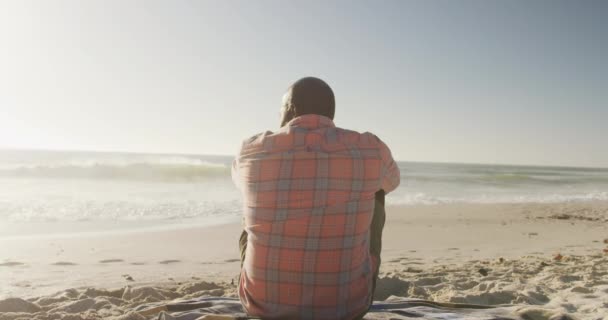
(392, 308)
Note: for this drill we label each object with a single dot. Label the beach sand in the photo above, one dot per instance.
(538, 255)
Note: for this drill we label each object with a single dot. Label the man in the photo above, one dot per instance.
(313, 212)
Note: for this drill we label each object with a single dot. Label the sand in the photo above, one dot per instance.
(549, 256)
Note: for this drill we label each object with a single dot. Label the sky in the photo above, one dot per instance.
(510, 82)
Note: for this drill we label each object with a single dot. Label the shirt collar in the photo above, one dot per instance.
(311, 121)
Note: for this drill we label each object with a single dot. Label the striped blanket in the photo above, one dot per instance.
(392, 308)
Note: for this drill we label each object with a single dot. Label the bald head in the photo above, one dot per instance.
(308, 96)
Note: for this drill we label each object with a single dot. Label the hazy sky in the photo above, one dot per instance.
(461, 81)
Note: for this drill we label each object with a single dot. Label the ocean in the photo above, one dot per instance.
(71, 193)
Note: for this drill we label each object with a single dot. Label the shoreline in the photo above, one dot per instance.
(152, 226)
(118, 227)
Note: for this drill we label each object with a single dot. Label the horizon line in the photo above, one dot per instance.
(3, 148)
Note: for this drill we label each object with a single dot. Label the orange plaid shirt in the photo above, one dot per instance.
(308, 204)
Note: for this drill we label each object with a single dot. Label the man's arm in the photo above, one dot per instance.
(392, 176)
(380, 197)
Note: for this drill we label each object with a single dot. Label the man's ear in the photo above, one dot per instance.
(288, 115)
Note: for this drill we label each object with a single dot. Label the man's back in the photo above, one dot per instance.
(308, 199)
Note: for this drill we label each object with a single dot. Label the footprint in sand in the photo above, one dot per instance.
(569, 278)
(111, 260)
(412, 270)
(169, 261)
(11, 264)
(63, 263)
(128, 277)
(22, 284)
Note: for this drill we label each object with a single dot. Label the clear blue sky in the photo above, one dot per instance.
(521, 82)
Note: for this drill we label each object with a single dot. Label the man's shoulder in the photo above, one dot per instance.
(365, 138)
(336, 138)
(257, 138)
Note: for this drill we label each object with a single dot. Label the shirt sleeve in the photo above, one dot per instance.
(391, 174)
(240, 159)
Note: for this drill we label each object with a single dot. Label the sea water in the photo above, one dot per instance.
(52, 192)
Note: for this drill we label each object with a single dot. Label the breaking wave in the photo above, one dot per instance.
(166, 170)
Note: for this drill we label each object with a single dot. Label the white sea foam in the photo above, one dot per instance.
(425, 199)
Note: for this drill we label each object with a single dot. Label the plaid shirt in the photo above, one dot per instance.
(308, 204)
